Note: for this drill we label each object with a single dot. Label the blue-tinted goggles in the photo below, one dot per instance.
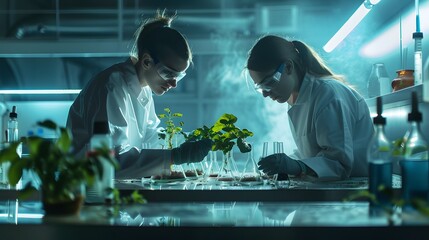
(267, 83)
(167, 73)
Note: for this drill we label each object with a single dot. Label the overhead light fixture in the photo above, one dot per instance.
(389, 40)
(351, 23)
(41, 91)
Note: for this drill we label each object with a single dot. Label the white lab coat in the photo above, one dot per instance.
(115, 95)
(332, 126)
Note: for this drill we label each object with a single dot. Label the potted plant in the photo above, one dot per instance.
(62, 175)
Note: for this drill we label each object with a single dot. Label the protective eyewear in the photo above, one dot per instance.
(167, 73)
(267, 83)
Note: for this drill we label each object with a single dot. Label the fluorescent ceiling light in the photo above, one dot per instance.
(351, 23)
(41, 91)
(389, 40)
(22, 215)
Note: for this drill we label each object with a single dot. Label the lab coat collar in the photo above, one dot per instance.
(306, 89)
(131, 78)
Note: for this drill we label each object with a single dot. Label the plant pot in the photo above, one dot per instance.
(64, 208)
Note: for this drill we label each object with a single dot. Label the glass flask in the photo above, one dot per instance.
(415, 164)
(228, 171)
(380, 160)
(250, 174)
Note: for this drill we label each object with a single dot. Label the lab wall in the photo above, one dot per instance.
(220, 35)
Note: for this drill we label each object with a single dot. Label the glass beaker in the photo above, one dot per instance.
(277, 147)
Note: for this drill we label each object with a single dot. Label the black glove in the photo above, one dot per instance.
(281, 163)
(189, 152)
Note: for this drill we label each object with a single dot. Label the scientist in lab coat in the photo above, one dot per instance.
(330, 122)
(122, 96)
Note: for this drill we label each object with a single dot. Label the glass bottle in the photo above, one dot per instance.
(380, 159)
(12, 129)
(414, 165)
(11, 136)
(383, 79)
(12, 126)
(97, 193)
(373, 83)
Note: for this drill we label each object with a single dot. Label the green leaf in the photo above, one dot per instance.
(137, 197)
(177, 115)
(217, 127)
(243, 145)
(167, 110)
(161, 116)
(245, 133)
(27, 192)
(364, 194)
(420, 205)
(9, 154)
(227, 119)
(15, 172)
(64, 141)
(49, 124)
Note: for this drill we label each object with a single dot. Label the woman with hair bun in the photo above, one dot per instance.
(330, 122)
(122, 96)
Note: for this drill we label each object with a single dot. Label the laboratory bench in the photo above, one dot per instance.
(197, 209)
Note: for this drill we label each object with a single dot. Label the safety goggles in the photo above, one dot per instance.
(267, 83)
(167, 73)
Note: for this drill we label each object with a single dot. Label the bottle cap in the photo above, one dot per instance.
(417, 35)
(414, 115)
(101, 127)
(380, 120)
(13, 114)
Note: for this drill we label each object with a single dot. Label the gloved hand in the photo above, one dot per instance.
(189, 152)
(280, 163)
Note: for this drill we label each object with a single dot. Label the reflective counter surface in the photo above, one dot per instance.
(209, 220)
(194, 209)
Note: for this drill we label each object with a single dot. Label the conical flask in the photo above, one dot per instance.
(250, 173)
(228, 172)
(214, 165)
(190, 171)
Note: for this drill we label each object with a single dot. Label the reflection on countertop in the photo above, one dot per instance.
(249, 214)
(210, 214)
(292, 183)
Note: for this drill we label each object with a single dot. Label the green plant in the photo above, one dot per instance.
(170, 129)
(61, 173)
(391, 202)
(224, 135)
(398, 147)
(134, 197)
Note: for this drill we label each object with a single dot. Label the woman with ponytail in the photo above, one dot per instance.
(330, 122)
(122, 96)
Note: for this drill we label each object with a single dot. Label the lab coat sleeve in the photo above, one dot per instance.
(152, 130)
(334, 128)
(148, 162)
(116, 114)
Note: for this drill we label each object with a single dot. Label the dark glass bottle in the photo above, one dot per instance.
(380, 159)
(414, 166)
